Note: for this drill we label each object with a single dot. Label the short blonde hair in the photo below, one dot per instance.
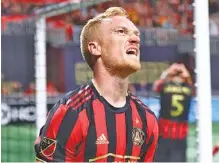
(90, 31)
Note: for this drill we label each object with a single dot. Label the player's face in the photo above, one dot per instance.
(120, 45)
(177, 79)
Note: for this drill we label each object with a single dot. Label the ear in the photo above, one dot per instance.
(94, 48)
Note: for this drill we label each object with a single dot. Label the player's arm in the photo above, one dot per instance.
(185, 74)
(153, 137)
(57, 140)
(158, 84)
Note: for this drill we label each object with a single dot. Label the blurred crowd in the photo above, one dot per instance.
(176, 14)
(9, 88)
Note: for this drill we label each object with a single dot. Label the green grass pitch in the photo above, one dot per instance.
(17, 143)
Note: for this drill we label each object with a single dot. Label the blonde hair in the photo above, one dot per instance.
(90, 31)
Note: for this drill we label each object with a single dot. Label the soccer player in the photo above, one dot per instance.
(101, 121)
(176, 90)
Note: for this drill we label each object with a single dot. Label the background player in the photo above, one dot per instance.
(175, 88)
(101, 121)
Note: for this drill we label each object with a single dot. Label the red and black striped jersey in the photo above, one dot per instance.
(84, 127)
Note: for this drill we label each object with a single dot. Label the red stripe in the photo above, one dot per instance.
(78, 133)
(150, 125)
(120, 136)
(83, 101)
(136, 123)
(85, 124)
(55, 123)
(166, 128)
(79, 92)
(80, 156)
(185, 126)
(178, 128)
(163, 127)
(79, 96)
(73, 140)
(152, 128)
(101, 129)
(173, 130)
(183, 130)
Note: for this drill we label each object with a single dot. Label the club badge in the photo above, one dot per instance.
(138, 136)
(47, 146)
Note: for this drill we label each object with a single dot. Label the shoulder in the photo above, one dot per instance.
(143, 106)
(80, 92)
(73, 99)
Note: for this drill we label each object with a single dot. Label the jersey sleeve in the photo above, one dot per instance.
(58, 139)
(158, 85)
(152, 139)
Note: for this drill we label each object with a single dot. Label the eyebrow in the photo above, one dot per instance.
(136, 32)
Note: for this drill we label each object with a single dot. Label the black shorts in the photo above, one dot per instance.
(170, 150)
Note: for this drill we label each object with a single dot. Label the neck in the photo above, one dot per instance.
(111, 87)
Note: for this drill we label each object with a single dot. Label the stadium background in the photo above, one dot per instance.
(164, 39)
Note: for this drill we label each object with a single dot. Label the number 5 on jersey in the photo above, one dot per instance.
(177, 104)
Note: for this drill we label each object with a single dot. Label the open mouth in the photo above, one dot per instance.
(132, 51)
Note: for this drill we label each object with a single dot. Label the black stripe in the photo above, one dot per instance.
(129, 126)
(148, 145)
(90, 144)
(63, 134)
(111, 131)
(37, 148)
(142, 114)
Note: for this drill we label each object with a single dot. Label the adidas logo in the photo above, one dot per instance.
(102, 140)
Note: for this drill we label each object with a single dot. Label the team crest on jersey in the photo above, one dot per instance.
(47, 146)
(138, 136)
